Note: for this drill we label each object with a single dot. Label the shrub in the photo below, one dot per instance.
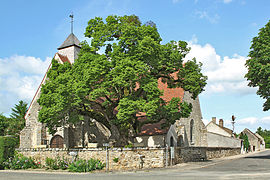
(7, 149)
(57, 163)
(129, 146)
(21, 162)
(85, 166)
(51, 163)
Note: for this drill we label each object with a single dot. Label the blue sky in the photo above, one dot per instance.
(218, 31)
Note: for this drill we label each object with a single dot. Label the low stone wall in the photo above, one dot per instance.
(218, 152)
(187, 154)
(128, 158)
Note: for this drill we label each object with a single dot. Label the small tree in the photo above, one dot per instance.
(245, 141)
(16, 122)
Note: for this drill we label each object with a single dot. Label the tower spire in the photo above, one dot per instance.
(71, 16)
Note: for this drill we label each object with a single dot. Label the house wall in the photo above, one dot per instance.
(214, 128)
(253, 140)
(217, 140)
(151, 141)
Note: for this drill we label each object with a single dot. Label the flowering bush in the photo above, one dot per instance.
(57, 163)
(21, 162)
(85, 166)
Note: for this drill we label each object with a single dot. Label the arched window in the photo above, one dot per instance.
(57, 142)
(171, 142)
(191, 130)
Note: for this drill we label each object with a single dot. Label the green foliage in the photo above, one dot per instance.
(7, 148)
(130, 145)
(85, 166)
(266, 135)
(259, 65)
(57, 163)
(114, 87)
(3, 124)
(21, 162)
(245, 141)
(116, 159)
(16, 122)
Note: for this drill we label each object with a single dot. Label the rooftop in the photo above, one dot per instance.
(71, 40)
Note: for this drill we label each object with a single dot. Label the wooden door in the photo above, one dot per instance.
(57, 142)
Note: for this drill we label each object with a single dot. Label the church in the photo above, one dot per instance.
(185, 132)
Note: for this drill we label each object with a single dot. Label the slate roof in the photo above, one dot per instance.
(71, 40)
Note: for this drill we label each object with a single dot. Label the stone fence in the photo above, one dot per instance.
(188, 154)
(119, 158)
(133, 158)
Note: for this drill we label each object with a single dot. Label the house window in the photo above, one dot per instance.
(191, 130)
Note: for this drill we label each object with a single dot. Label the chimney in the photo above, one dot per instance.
(214, 120)
(221, 122)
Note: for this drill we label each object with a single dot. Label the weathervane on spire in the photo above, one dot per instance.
(71, 16)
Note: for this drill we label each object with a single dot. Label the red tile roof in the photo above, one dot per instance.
(153, 129)
(63, 58)
(168, 94)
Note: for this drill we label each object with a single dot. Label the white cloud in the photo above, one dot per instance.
(248, 121)
(227, 1)
(224, 74)
(205, 15)
(20, 77)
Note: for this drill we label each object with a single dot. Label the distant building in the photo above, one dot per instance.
(220, 136)
(256, 142)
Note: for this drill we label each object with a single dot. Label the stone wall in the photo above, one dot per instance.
(188, 154)
(198, 131)
(212, 153)
(128, 158)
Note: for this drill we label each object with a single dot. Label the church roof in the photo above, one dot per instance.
(71, 40)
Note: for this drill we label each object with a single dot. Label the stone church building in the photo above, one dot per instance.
(185, 132)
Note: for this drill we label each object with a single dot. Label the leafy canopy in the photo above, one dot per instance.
(115, 78)
(265, 134)
(16, 122)
(259, 65)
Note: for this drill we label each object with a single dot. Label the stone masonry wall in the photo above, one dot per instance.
(199, 137)
(188, 154)
(128, 158)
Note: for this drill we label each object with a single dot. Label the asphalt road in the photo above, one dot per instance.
(252, 166)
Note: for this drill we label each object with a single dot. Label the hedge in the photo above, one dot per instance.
(7, 148)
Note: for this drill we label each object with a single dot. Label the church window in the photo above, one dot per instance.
(191, 130)
(171, 142)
